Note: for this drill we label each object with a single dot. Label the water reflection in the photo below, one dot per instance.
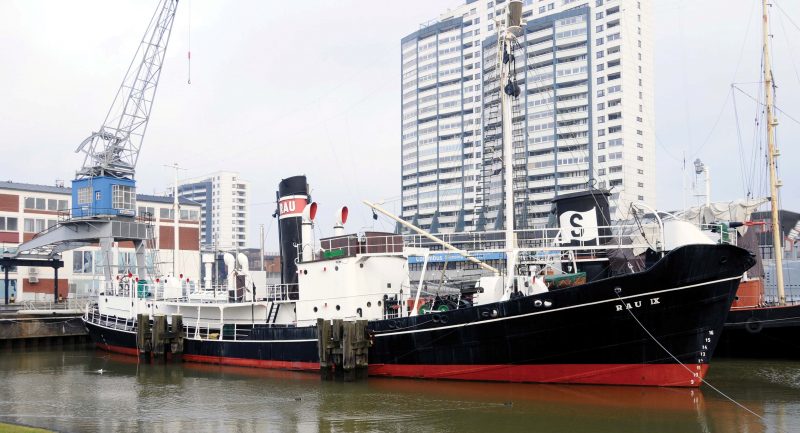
(97, 391)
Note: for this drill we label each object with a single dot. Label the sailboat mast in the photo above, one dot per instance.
(774, 184)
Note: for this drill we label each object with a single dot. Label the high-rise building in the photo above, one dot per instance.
(224, 197)
(584, 117)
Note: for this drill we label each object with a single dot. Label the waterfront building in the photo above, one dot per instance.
(224, 198)
(27, 209)
(585, 115)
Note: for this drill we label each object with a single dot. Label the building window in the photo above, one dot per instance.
(601, 172)
(639, 171)
(84, 195)
(8, 224)
(123, 197)
(601, 80)
(641, 198)
(640, 158)
(82, 262)
(125, 263)
(601, 145)
(35, 203)
(601, 158)
(600, 67)
(601, 106)
(641, 184)
(146, 211)
(31, 225)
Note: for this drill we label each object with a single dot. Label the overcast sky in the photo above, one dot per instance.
(286, 88)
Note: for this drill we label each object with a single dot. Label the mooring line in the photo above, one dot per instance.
(616, 292)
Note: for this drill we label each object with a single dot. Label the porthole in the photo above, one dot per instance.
(336, 268)
(369, 304)
(338, 308)
(305, 271)
(379, 303)
(360, 265)
(315, 309)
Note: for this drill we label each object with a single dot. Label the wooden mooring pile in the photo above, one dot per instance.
(343, 349)
(161, 339)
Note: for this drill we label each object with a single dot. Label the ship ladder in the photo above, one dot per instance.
(272, 316)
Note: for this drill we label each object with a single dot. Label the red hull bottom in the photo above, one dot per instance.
(257, 363)
(594, 374)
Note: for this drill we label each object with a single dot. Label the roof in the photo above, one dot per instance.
(52, 189)
(34, 188)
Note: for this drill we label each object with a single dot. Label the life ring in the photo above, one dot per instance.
(753, 325)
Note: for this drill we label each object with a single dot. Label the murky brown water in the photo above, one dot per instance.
(63, 390)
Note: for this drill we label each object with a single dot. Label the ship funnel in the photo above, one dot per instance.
(341, 218)
(307, 235)
(583, 217)
(292, 198)
(584, 220)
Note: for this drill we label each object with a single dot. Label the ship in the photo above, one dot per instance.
(657, 326)
(576, 302)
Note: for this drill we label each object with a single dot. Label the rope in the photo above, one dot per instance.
(682, 364)
(189, 45)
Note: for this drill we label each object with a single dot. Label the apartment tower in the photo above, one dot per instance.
(584, 118)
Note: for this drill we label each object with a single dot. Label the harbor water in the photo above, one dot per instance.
(84, 390)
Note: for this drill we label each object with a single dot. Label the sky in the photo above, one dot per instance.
(286, 88)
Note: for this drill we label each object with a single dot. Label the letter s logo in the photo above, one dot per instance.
(575, 221)
(578, 226)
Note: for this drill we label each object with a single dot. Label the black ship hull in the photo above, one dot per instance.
(657, 327)
(762, 332)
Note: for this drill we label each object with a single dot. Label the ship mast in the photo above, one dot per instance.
(509, 90)
(774, 183)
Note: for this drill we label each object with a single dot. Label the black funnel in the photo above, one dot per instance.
(584, 220)
(292, 199)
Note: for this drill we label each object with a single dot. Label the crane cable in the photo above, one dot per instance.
(189, 46)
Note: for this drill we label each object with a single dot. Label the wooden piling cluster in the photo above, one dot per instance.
(156, 341)
(343, 349)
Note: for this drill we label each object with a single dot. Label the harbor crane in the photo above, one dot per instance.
(104, 189)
